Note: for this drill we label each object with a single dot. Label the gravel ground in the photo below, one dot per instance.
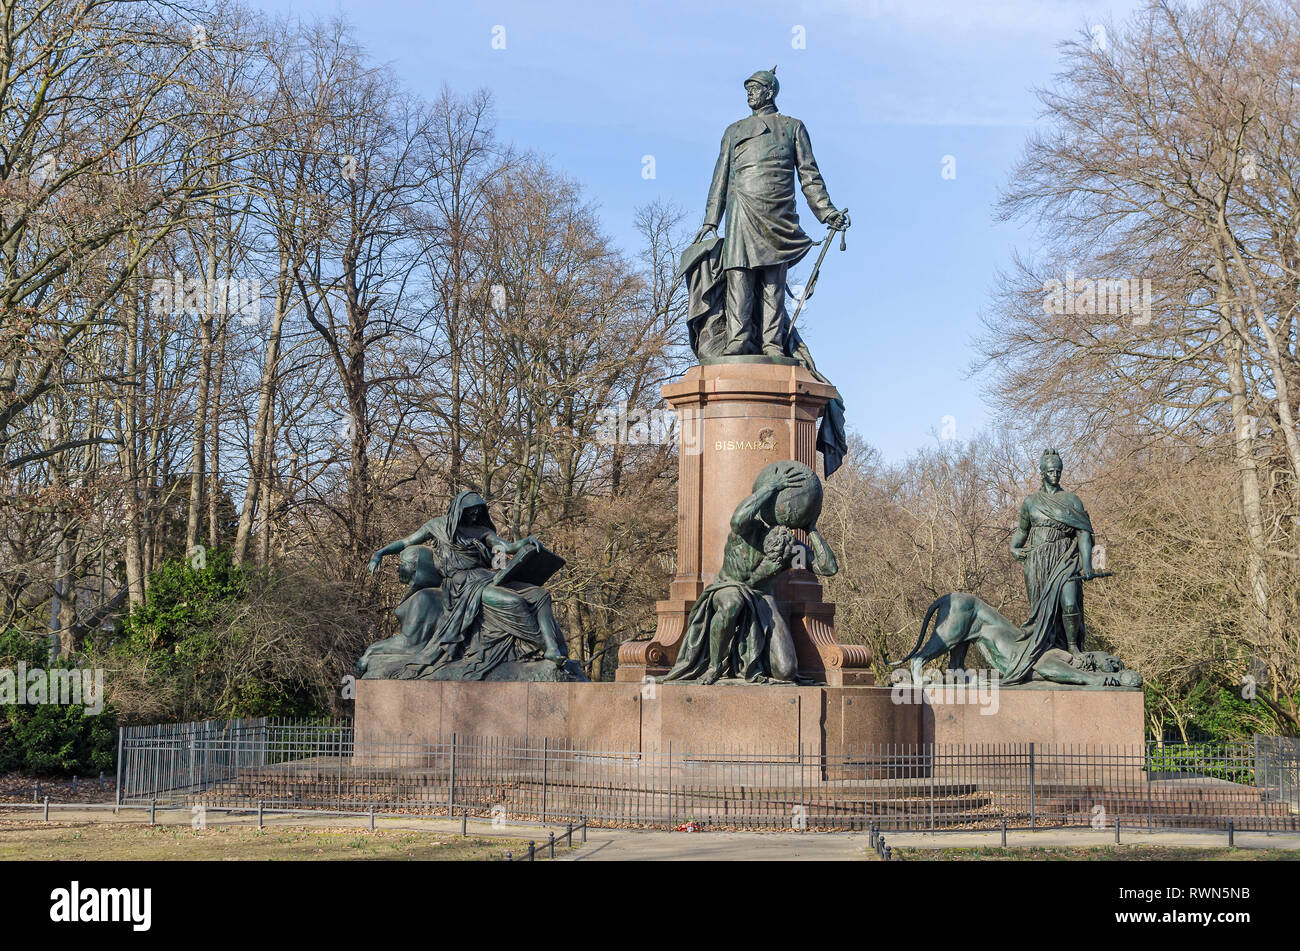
(20, 787)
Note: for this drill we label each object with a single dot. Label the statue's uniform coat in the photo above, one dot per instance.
(753, 182)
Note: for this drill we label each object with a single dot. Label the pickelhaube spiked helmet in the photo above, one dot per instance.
(768, 78)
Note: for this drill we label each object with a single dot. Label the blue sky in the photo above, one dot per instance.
(887, 89)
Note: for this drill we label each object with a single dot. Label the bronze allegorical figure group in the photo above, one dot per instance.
(476, 607)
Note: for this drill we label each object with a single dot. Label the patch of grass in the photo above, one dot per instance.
(1097, 853)
(83, 842)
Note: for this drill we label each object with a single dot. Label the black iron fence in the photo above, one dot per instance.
(320, 765)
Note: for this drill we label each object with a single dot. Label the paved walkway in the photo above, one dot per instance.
(1082, 838)
(606, 845)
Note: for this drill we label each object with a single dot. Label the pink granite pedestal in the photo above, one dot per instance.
(703, 721)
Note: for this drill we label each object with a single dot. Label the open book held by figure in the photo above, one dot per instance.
(493, 623)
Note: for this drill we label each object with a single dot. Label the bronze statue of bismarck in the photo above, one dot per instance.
(736, 284)
(753, 183)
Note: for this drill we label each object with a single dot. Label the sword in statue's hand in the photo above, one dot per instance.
(1095, 574)
(826, 246)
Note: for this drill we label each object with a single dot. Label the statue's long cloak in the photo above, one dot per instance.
(753, 182)
(466, 566)
(1048, 569)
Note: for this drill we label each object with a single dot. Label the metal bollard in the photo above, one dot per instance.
(47, 808)
(372, 818)
(74, 784)
(1231, 834)
(568, 837)
(1117, 830)
(260, 810)
(464, 823)
(532, 851)
(510, 856)
(889, 853)
(1004, 833)
(153, 811)
(551, 844)
(584, 829)
(101, 780)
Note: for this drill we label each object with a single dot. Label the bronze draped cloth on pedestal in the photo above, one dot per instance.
(747, 658)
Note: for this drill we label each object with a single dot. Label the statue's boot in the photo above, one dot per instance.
(1073, 623)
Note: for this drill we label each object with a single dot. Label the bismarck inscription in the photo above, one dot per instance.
(766, 442)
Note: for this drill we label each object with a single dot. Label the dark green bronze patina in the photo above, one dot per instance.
(754, 185)
(1054, 540)
(419, 614)
(1016, 653)
(493, 618)
(735, 630)
(736, 283)
(1054, 543)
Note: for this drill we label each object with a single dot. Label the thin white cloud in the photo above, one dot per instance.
(1044, 17)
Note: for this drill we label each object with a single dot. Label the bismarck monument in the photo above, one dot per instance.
(745, 651)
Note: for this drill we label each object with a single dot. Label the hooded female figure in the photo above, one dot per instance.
(483, 625)
(1054, 542)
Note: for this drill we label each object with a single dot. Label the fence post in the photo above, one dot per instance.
(1231, 836)
(339, 799)
(532, 851)
(1033, 804)
(668, 781)
(153, 810)
(451, 780)
(803, 795)
(47, 809)
(1145, 780)
(260, 805)
(932, 762)
(372, 817)
(208, 735)
(121, 755)
(546, 748)
(551, 843)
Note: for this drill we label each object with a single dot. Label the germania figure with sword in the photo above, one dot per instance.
(1054, 542)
